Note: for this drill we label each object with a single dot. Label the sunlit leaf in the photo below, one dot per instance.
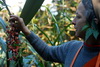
(55, 22)
(68, 18)
(74, 4)
(22, 34)
(31, 48)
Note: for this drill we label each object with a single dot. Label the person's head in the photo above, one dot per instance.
(86, 13)
(80, 20)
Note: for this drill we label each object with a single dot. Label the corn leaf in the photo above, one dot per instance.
(30, 9)
(44, 34)
(55, 22)
(60, 34)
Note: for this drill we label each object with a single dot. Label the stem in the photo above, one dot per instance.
(7, 57)
(6, 7)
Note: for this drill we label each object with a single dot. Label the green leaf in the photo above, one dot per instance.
(95, 29)
(55, 22)
(12, 62)
(1, 3)
(0, 8)
(85, 27)
(94, 25)
(30, 9)
(74, 4)
(68, 18)
(95, 34)
(88, 33)
(2, 61)
(31, 48)
(44, 34)
(60, 34)
(22, 34)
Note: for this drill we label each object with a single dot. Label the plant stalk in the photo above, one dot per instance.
(6, 7)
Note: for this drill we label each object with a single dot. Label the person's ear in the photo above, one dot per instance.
(96, 21)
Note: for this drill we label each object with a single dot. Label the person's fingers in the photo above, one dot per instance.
(16, 17)
(12, 19)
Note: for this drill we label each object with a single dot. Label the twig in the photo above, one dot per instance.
(6, 7)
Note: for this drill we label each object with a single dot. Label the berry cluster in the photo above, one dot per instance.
(13, 42)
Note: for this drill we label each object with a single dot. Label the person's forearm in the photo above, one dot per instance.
(26, 31)
(49, 53)
(38, 44)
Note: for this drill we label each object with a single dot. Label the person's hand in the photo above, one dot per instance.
(19, 24)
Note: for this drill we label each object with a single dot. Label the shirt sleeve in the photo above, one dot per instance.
(49, 53)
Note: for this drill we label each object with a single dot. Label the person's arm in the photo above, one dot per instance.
(50, 53)
(20, 24)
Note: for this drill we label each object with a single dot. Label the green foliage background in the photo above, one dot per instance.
(53, 28)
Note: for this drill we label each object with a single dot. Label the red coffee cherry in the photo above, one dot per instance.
(13, 40)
